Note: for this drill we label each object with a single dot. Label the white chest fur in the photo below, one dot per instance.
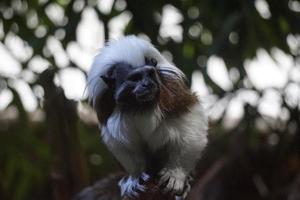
(133, 130)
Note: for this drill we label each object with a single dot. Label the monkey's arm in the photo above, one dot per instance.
(182, 160)
(132, 162)
(186, 152)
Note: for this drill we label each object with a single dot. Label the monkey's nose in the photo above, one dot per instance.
(147, 84)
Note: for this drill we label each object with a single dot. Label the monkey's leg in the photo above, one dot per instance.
(182, 159)
(134, 164)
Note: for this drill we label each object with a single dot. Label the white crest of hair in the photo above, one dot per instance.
(131, 50)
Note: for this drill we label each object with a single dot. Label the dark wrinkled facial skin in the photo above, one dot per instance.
(134, 88)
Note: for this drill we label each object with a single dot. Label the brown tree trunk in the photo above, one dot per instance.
(68, 170)
(107, 189)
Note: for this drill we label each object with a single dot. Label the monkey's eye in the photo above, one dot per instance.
(151, 61)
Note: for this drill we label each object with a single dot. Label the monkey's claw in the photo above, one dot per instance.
(172, 181)
(131, 187)
(187, 188)
(144, 177)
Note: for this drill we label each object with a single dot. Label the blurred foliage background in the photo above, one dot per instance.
(51, 149)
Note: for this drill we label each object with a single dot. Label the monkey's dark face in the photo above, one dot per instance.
(133, 88)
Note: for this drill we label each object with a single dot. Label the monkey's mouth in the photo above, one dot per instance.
(146, 95)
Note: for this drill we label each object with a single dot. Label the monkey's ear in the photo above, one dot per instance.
(109, 77)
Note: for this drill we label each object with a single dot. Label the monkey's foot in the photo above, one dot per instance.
(130, 186)
(174, 181)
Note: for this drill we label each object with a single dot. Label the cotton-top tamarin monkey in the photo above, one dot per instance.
(150, 120)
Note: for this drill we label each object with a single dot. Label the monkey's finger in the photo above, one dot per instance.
(163, 180)
(164, 177)
(179, 187)
(132, 194)
(186, 190)
(184, 195)
(140, 188)
(145, 177)
(170, 186)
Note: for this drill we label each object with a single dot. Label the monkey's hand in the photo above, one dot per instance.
(174, 181)
(132, 186)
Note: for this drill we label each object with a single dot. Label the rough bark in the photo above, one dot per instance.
(107, 189)
(68, 170)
